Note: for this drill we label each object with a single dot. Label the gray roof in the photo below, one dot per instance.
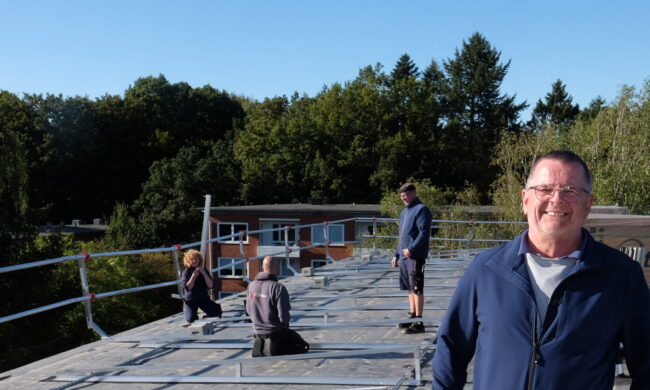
(347, 311)
(350, 322)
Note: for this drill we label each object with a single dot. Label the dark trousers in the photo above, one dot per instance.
(190, 308)
(282, 342)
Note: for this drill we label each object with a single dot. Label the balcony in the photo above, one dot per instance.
(265, 250)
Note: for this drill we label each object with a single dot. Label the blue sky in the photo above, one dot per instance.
(266, 48)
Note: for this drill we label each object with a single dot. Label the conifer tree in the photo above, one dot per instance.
(557, 109)
(476, 112)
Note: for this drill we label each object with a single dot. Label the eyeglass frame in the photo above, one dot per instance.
(563, 190)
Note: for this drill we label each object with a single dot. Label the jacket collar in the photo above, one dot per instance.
(266, 276)
(414, 203)
(510, 261)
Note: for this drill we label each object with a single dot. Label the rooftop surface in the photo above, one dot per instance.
(347, 311)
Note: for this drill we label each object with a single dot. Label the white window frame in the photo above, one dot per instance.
(233, 268)
(329, 226)
(235, 239)
(280, 233)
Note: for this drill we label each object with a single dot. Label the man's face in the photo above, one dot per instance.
(555, 218)
(407, 197)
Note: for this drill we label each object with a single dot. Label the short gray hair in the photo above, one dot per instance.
(567, 157)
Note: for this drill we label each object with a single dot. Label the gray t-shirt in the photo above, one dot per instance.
(545, 275)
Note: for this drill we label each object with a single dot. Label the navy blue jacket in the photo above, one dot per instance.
(414, 230)
(199, 290)
(493, 315)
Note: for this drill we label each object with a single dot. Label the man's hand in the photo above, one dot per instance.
(393, 262)
(406, 253)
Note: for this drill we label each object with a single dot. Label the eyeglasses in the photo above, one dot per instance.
(570, 194)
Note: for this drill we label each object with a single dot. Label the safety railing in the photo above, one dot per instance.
(439, 226)
(88, 296)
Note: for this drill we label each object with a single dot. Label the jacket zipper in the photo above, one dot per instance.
(533, 355)
(534, 339)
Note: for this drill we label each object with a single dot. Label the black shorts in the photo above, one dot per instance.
(411, 275)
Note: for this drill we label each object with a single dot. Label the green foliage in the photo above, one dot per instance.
(557, 109)
(476, 112)
(150, 156)
(613, 143)
(13, 163)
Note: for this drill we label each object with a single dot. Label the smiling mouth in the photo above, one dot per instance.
(555, 214)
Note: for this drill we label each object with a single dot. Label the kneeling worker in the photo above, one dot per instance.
(268, 306)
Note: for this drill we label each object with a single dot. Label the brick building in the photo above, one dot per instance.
(226, 220)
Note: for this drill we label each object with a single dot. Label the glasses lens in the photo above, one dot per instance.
(544, 192)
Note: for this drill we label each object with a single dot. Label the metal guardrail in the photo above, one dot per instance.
(88, 296)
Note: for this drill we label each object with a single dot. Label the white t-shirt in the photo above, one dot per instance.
(545, 275)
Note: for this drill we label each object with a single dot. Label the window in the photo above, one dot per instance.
(234, 271)
(223, 294)
(278, 235)
(318, 263)
(228, 228)
(335, 233)
(284, 269)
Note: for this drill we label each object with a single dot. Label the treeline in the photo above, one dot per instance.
(149, 156)
(144, 160)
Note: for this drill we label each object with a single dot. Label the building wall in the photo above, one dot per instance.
(336, 251)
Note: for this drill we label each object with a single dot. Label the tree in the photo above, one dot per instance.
(475, 113)
(167, 210)
(14, 118)
(591, 111)
(404, 69)
(557, 109)
(614, 145)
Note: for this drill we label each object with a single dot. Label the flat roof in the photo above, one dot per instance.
(350, 322)
(347, 311)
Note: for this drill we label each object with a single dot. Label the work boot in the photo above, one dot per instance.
(403, 325)
(416, 327)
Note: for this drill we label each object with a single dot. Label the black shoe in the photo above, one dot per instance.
(404, 325)
(416, 327)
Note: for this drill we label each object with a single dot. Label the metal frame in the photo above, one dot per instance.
(239, 378)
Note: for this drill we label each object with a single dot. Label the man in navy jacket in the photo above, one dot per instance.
(549, 309)
(412, 252)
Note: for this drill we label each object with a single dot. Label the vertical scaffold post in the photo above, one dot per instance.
(417, 364)
(471, 234)
(287, 250)
(374, 235)
(242, 233)
(85, 288)
(206, 228)
(326, 238)
(177, 268)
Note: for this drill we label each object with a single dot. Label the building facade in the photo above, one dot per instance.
(298, 225)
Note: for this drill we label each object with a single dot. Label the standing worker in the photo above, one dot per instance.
(549, 309)
(412, 252)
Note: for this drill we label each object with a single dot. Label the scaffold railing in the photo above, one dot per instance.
(88, 296)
